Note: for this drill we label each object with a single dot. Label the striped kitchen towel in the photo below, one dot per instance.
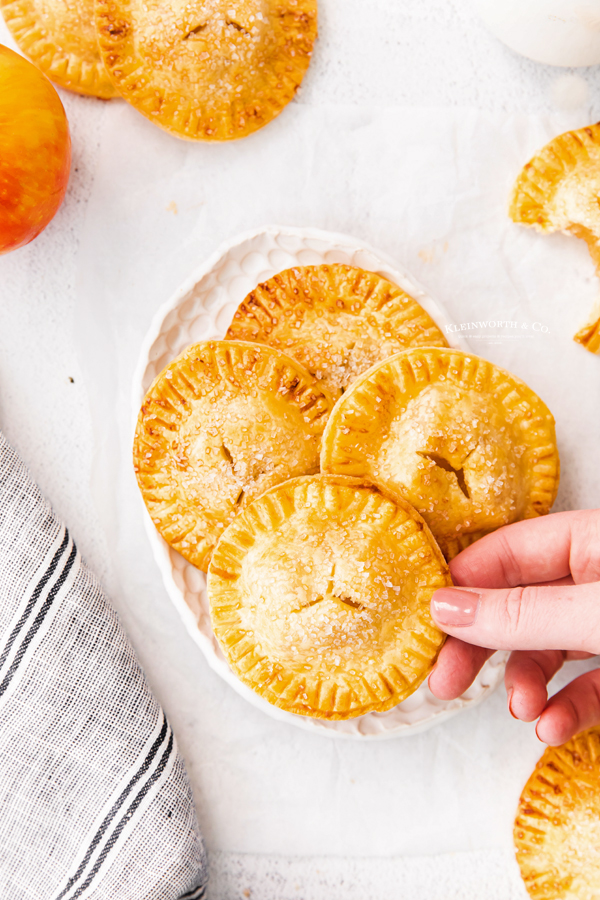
(94, 798)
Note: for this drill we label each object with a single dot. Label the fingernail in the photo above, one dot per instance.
(453, 607)
(510, 694)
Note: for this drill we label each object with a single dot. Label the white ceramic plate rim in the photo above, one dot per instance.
(161, 551)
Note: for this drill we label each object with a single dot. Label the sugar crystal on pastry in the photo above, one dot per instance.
(319, 594)
(222, 423)
(557, 827)
(59, 36)
(207, 69)
(337, 320)
(468, 444)
(559, 190)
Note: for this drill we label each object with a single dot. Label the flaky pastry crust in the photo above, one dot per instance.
(208, 70)
(59, 36)
(336, 320)
(221, 424)
(559, 190)
(319, 596)
(467, 443)
(557, 827)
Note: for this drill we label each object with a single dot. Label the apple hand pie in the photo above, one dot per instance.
(319, 597)
(467, 443)
(222, 423)
(210, 70)
(559, 190)
(336, 320)
(557, 828)
(60, 38)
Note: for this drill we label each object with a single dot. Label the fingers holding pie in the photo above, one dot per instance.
(456, 668)
(467, 443)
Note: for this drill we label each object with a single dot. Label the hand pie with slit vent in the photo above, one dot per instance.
(209, 70)
(59, 36)
(468, 444)
(559, 190)
(319, 596)
(336, 320)
(222, 423)
(557, 828)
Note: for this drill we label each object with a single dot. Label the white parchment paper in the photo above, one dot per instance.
(429, 188)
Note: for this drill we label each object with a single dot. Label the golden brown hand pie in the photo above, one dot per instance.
(557, 828)
(559, 190)
(468, 444)
(319, 595)
(336, 320)
(208, 69)
(222, 423)
(59, 36)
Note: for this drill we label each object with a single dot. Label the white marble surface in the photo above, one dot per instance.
(282, 813)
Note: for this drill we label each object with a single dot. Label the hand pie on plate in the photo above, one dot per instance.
(59, 36)
(468, 444)
(559, 190)
(208, 70)
(557, 828)
(222, 423)
(336, 320)
(319, 596)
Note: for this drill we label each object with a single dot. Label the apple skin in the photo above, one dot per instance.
(35, 151)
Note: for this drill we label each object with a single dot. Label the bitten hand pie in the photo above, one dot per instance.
(207, 70)
(468, 444)
(319, 596)
(222, 423)
(336, 320)
(557, 828)
(559, 190)
(59, 36)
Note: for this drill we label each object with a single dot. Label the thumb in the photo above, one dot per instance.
(564, 617)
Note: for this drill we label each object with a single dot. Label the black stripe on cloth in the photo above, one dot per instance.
(41, 615)
(116, 807)
(125, 819)
(34, 598)
(195, 894)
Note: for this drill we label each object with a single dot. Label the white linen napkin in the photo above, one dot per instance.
(94, 797)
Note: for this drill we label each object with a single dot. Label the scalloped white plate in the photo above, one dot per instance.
(201, 310)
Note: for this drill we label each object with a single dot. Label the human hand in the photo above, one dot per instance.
(534, 588)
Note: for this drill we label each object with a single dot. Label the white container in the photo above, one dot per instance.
(555, 32)
(202, 309)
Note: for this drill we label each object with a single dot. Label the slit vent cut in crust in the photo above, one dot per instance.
(59, 36)
(209, 70)
(319, 597)
(336, 320)
(557, 827)
(469, 445)
(559, 190)
(222, 423)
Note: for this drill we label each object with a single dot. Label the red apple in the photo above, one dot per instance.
(35, 151)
